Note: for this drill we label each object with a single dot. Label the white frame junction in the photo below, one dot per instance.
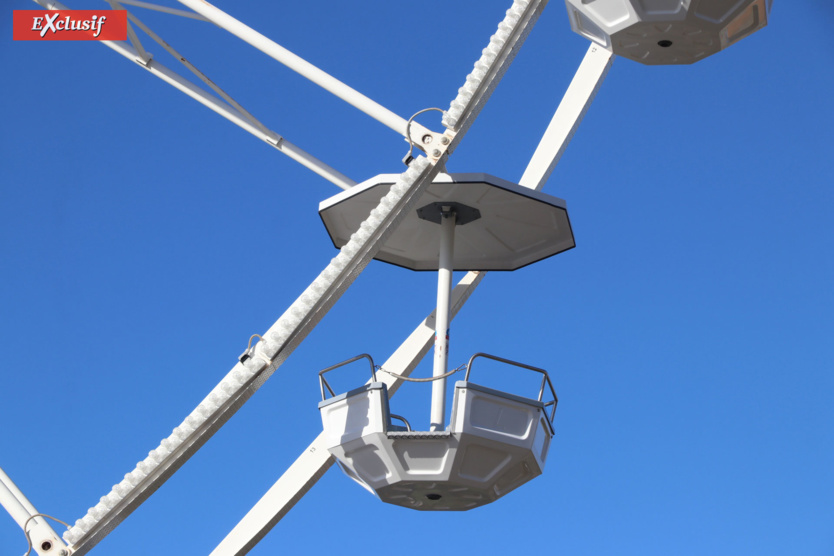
(301, 317)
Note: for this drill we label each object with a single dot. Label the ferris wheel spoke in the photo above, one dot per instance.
(578, 98)
(306, 69)
(223, 104)
(164, 9)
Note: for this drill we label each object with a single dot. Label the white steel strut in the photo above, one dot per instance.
(316, 460)
(578, 98)
(441, 334)
(38, 532)
(164, 9)
(241, 118)
(305, 68)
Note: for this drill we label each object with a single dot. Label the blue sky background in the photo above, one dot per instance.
(143, 239)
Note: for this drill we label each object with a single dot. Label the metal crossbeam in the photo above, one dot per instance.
(42, 538)
(305, 69)
(164, 9)
(578, 98)
(243, 119)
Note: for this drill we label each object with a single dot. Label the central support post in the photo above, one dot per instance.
(441, 327)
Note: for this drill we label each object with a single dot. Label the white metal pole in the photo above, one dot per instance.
(303, 67)
(44, 539)
(12, 503)
(441, 327)
(163, 9)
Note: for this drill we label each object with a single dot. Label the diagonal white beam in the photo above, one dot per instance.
(311, 465)
(37, 530)
(203, 77)
(304, 68)
(164, 9)
(578, 98)
(178, 82)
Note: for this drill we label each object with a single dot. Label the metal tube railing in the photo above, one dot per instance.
(323, 382)
(401, 418)
(545, 378)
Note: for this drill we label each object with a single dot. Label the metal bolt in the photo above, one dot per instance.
(64, 553)
(427, 139)
(444, 140)
(435, 153)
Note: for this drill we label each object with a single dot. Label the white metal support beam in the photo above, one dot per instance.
(274, 137)
(305, 68)
(442, 315)
(578, 98)
(242, 120)
(40, 534)
(315, 461)
(164, 9)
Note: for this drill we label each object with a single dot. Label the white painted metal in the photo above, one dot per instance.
(164, 9)
(667, 31)
(274, 138)
(578, 98)
(496, 442)
(516, 227)
(441, 332)
(143, 57)
(44, 539)
(304, 68)
(315, 460)
(14, 501)
(282, 145)
(490, 67)
(312, 464)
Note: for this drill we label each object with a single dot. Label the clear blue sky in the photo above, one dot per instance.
(143, 239)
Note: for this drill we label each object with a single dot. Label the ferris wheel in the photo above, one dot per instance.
(424, 219)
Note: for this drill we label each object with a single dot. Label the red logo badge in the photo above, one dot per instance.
(70, 25)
